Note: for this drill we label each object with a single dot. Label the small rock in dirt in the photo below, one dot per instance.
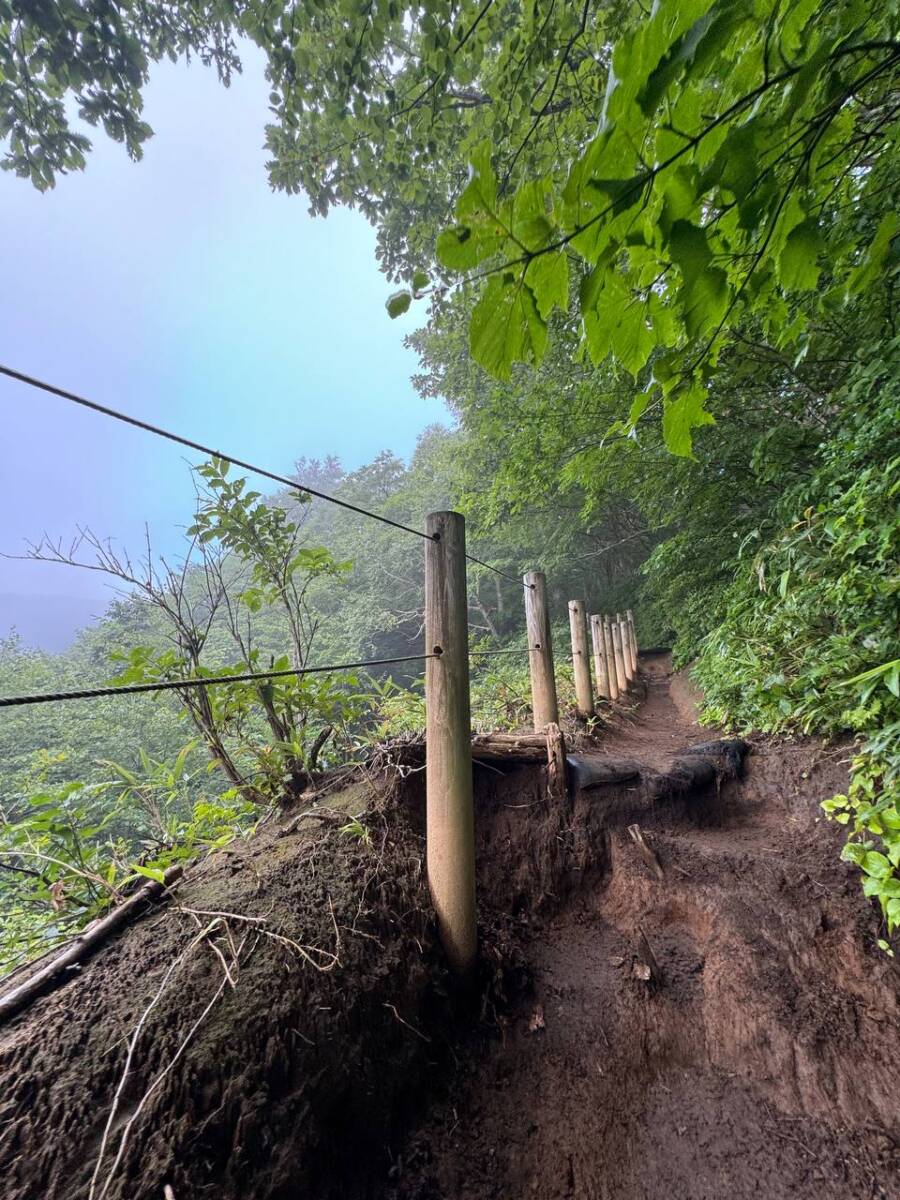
(616, 960)
(641, 971)
(536, 1021)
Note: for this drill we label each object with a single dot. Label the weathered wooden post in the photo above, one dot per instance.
(621, 677)
(581, 661)
(450, 820)
(626, 649)
(610, 659)
(601, 668)
(634, 646)
(540, 657)
(625, 646)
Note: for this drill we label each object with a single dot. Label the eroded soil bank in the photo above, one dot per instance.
(763, 1061)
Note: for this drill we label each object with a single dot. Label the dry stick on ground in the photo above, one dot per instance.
(84, 943)
(649, 856)
(332, 958)
(649, 958)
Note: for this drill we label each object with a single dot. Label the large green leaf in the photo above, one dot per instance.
(683, 412)
(506, 325)
(548, 277)
(798, 267)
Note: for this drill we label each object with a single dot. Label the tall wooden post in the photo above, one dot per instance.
(612, 673)
(601, 669)
(626, 649)
(450, 820)
(581, 660)
(634, 646)
(621, 677)
(540, 646)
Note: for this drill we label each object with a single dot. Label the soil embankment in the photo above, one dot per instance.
(765, 1062)
(283, 1026)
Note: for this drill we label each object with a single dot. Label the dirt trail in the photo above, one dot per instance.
(764, 1065)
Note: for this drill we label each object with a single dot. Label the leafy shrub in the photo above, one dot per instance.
(68, 852)
(811, 634)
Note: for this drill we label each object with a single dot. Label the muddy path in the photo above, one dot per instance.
(336, 1060)
(763, 1064)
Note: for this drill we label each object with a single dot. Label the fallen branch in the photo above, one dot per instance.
(648, 855)
(84, 944)
(648, 958)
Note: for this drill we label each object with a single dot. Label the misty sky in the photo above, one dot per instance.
(183, 290)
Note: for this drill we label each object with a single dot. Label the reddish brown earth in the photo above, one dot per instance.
(764, 1062)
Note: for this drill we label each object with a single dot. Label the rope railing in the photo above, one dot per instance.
(450, 842)
(158, 431)
(180, 440)
(497, 653)
(174, 685)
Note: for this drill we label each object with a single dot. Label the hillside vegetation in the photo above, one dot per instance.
(656, 258)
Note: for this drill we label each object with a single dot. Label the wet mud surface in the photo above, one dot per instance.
(765, 1062)
(761, 1058)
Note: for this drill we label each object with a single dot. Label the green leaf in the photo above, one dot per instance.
(619, 195)
(480, 232)
(694, 47)
(853, 852)
(689, 249)
(398, 303)
(506, 326)
(704, 292)
(548, 277)
(798, 268)
(682, 413)
(876, 864)
(153, 873)
(873, 261)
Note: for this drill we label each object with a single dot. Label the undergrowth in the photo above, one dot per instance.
(810, 639)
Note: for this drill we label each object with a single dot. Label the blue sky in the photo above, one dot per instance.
(183, 290)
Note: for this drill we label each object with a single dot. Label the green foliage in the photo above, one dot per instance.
(356, 830)
(73, 56)
(68, 852)
(811, 631)
(744, 167)
(670, 355)
(730, 148)
(373, 103)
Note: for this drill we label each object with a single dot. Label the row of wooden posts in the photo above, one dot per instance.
(450, 819)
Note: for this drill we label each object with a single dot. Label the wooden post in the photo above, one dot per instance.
(626, 646)
(450, 820)
(557, 769)
(634, 646)
(540, 645)
(601, 669)
(581, 660)
(621, 677)
(610, 660)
